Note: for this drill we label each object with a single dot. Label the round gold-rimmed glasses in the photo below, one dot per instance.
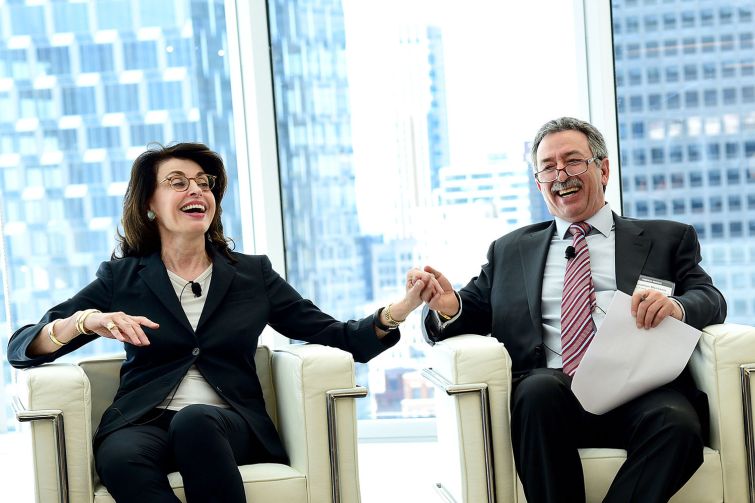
(180, 183)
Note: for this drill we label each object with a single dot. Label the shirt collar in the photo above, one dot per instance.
(602, 221)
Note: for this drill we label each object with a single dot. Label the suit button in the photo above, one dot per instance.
(538, 351)
(195, 351)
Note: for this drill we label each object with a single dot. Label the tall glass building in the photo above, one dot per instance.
(437, 116)
(84, 87)
(685, 78)
(316, 162)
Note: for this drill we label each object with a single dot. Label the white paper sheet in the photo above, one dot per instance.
(624, 361)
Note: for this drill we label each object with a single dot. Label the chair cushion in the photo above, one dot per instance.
(263, 483)
(600, 467)
(263, 361)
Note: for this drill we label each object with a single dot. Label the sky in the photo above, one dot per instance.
(508, 69)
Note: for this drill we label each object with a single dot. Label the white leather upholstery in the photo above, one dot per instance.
(294, 383)
(469, 359)
(303, 374)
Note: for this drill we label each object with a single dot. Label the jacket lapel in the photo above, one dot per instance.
(632, 249)
(533, 250)
(223, 273)
(154, 275)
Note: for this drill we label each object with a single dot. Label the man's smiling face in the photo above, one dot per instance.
(572, 198)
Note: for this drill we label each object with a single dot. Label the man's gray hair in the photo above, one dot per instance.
(594, 137)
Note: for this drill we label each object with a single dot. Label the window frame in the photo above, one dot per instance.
(252, 88)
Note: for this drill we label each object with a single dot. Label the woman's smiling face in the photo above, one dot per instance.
(186, 213)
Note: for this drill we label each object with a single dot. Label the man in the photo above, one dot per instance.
(518, 298)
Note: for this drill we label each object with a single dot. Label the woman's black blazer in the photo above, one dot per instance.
(244, 296)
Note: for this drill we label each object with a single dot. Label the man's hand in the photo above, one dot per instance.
(651, 307)
(444, 301)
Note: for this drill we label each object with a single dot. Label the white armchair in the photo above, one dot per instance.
(301, 385)
(473, 422)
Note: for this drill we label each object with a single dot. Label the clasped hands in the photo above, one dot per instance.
(434, 289)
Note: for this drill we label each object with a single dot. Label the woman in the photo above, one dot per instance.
(189, 312)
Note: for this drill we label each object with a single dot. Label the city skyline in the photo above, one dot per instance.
(366, 183)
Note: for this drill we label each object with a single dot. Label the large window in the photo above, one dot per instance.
(699, 129)
(84, 86)
(397, 137)
(403, 132)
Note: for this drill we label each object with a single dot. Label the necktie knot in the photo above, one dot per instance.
(580, 228)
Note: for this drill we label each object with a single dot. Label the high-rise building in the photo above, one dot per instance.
(437, 116)
(478, 203)
(686, 107)
(84, 87)
(502, 185)
(321, 230)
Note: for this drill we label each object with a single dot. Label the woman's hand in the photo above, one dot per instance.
(120, 326)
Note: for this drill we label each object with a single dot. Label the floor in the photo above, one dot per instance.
(390, 472)
(16, 483)
(398, 472)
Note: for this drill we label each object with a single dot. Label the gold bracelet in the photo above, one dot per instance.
(443, 315)
(82, 318)
(51, 335)
(391, 322)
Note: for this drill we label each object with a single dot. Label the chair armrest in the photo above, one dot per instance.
(715, 366)
(64, 388)
(466, 360)
(308, 379)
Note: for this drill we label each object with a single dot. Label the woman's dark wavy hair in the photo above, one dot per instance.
(140, 235)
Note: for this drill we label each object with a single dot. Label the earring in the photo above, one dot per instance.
(151, 215)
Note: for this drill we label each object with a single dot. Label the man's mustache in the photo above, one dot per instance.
(566, 184)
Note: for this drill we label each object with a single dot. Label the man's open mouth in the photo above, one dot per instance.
(567, 191)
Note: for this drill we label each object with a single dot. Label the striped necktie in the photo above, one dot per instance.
(577, 302)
